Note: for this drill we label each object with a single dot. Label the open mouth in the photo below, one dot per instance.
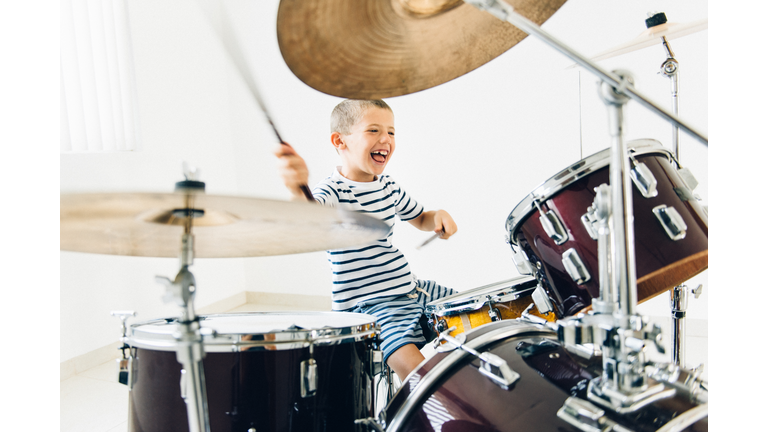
(380, 156)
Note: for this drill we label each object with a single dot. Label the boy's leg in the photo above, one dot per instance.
(404, 360)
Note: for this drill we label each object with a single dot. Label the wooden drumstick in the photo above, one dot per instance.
(231, 45)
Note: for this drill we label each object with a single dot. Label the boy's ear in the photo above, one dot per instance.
(336, 140)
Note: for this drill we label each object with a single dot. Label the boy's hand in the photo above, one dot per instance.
(292, 169)
(444, 224)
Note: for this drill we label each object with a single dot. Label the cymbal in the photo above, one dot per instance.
(386, 48)
(651, 37)
(144, 224)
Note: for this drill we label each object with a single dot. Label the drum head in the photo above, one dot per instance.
(265, 330)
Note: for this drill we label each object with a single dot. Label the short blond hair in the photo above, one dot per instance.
(349, 112)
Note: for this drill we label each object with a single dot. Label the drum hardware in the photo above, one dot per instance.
(493, 312)
(679, 305)
(309, 376)
(506, 12)
(587, 417)
(575, 267)
(522, 262)
(189, 340)
(671, 221)
(606, 302)
(551, 224)
(491, 365)
(541, 300)
(125, 364)
(643, 178)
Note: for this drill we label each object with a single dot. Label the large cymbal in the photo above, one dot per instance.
(143, 224)
(376, 49)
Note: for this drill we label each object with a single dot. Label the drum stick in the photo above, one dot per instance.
(429, 240)
(232, 46)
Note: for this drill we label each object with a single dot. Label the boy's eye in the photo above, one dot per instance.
(373, 130)
(392, 133)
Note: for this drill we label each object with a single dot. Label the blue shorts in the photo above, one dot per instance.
(399, 316)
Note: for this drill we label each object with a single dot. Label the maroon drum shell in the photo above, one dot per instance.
(661, 263)
(464, 400)
(257, 389)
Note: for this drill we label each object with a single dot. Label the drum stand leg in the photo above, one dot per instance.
(679, 304)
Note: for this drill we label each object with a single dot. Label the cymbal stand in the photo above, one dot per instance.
(678, 296)
(626, 385)
(189, 339)
(506, 12)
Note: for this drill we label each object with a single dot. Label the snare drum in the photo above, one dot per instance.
(253, 372)
(449, 393)
(473, 308)
(671, 228)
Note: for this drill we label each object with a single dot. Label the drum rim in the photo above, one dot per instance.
(256, 341)
(465, 301)
(573, 173)
(428, 380)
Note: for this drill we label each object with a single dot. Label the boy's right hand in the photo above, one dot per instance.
(293, 169)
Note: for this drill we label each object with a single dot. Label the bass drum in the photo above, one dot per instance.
(448, 393)
(671, 229)
(252, 370)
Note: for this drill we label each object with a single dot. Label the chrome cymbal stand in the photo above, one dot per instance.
(678, 296)
(189, 339)
(625, 384)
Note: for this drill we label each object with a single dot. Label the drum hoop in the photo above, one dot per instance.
(686, 419)
(253, 341)
(436, 373)
(575, 172)
(465, 301)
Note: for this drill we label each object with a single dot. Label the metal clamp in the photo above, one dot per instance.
(587, 417)
(589, 220)
(491, 365)
(671, 220)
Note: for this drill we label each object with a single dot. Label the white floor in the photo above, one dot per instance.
(93, 401)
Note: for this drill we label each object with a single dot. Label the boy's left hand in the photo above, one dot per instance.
(444, 224)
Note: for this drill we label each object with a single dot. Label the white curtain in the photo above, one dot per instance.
(98, 86)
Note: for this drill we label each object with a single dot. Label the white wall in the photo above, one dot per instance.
(474, 146)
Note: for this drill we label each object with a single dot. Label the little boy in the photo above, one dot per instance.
(374, 278)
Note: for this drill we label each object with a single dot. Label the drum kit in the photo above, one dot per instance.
(560, 348)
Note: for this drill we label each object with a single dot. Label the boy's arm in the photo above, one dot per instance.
(437, 221)
(293, 170)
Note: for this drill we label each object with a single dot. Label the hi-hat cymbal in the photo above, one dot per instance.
(378, 49)
(651, 37)
(145, 224)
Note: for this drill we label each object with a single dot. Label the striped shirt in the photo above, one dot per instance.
(376, 269)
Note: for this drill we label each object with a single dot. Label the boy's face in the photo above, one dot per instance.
(368, 148)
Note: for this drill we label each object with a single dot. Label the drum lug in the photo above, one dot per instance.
(575, 267)
(671, 220)
(376, 361)
(589, 220)
(522, 262)
(587, 417)
(442, 326)
(125, 371)
(541, 300)
(688, 178)
(552, 225)
(308, 378)
(643, 178)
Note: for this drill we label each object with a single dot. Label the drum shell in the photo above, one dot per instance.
(255, 386)
(661, 263)
(464, 400)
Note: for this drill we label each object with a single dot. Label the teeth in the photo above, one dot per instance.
(381, 152)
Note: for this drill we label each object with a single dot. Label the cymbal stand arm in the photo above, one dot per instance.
(670, 68)
(506, 12)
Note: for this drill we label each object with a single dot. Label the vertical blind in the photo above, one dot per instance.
(98, 86)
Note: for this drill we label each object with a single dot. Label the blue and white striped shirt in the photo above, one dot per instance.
(376, 269)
